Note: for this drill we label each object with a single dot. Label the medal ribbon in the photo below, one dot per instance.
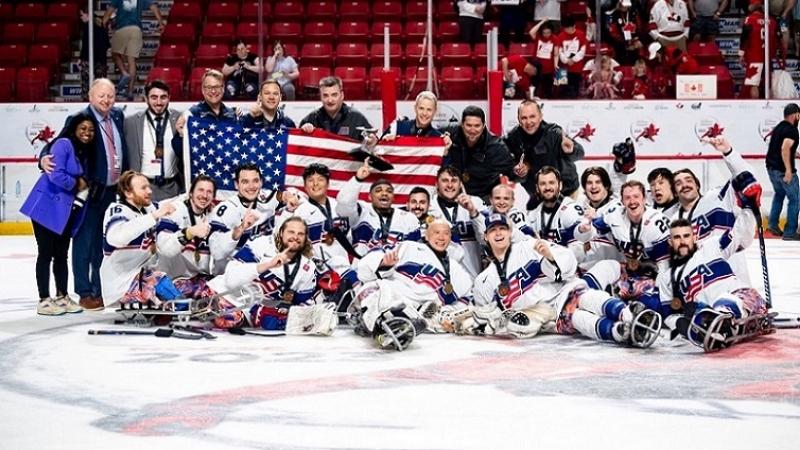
(288, 278)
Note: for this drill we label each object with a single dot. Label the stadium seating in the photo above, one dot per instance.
(30, 12)
(217, 33)
(706, 53)
(53, 33)
(179, 33)
(7, 78)
(44, 55)
(6, 12)
(417, 10)
(287, 32)
(354, 31)
(387, 10)
(447, 31)
(354, 81)
(308, 84)
(288, 11)
(223, 12)
(18, 33)
(32, 84)
(457, 82)
(173, 76)
(317, 54)
(210, 55)
(375, 81)
(352, 54)
(724, 80)
(322, 11)
(415, 31)
(195, 82)
(377, 50)
(455, 53)
(395, 30)
(354, 11)
(416, 79)
(13, 55)
(249, 11)
(186, 12)
(319, 31)
(172, 55)
(248, 31)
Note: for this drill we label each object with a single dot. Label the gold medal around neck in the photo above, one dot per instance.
(197, 256)
(676, 303)
(465, 177)
(503, 289)
(288, 296)
(448, 287)
(159, 152)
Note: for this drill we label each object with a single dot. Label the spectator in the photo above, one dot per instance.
(625, 26)
(334, 116)
(669, 23)
(780, 163)
(151, 148)
(519, 74)
(470, 20)
(536, 143)
(796, 28)
(211, 107)
(513, 19)
(678, 61)
(571, 53)
(242, 69)
(705, 18)
(548, 11)
(480, 156)
(641, 89)
(751, 47)
(781, 12)
(127, 38)
(545, 51)
(101, 45)
(282, 68)
(56, 208)
(268, 113)
(421, 125)
(604, 80)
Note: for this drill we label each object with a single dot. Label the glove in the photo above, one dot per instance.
(624, 157)
(269, 317)
(748, 191)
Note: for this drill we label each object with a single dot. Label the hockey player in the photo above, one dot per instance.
(376, 223)
(712, 212)
(532, 284)
(599, 200)
(235, 220)
(718, 309)
(451, 203)
(419, 204)
(128, 269)
(662, 191)
(401, 280)
(502, 202)
(181, 239)
(556, 216)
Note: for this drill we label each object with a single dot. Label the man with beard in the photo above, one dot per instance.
(128, 271)
(712, 213)
(531, 284)
(421, 125)
(599, 200)
(713, 307)
(502, 202)
(267, 113)
(404, 286)
(181, 239)
(480, 156)
(377, 223)
(459, 209)
(151, 149)
(249, 213)
(536, 144)
(640, 236)
(662, 191)
(557, 216)
(419, 203)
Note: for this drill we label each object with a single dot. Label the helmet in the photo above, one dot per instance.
(711, 329)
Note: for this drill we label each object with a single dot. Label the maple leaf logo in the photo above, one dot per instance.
(649, 133)
(713, 131)
(44, 135)
(585, 133)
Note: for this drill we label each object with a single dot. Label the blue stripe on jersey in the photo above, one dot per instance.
(114, 220)
(703, 275)
(166, 225)
(218, 227)
(525, 277)
(136, 243)
(526, 229)
(659, 250)
(315, 231)
(245, 255)
(730, 305)
(429, 276)
(612, 308)
(364, 233)
(567, 235)
(600, 225)
(718, 217)
(604, 329)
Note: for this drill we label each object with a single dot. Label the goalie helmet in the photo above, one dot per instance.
(624, 157)
(711, 329)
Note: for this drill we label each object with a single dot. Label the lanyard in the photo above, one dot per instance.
(386, 224)
(635, 242)
(326, 211)
(158, 131)
(443, 205)
(288, 278)
(545, 230)
(691, 212)
(444, 260)
(502, 267)
(676, 288)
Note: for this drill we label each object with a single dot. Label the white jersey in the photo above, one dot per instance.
(520, 230)
(228, 215)
(708, 274)
(463, 229)
(178, 256)
(530, 278)
(242, 270)
(419, 274)
(669, 209)
(128, 247)
(321, 220)
(559, 224)
(598, 249)
(369, 229)
(646, 242)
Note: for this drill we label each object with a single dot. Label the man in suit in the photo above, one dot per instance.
(103, 169)
(149, 137)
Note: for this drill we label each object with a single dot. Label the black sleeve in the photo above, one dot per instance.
(502, 162)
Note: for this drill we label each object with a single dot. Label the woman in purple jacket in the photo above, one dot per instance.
(55, 206)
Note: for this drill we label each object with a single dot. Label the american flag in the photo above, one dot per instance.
(216, 150)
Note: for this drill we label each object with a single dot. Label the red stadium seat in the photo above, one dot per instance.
(352, 54)
(447, 31)
(354, 81)
(288, 11)
(353, 31)
(6, 13)
(211, 55)
(217, 33)
(574, 8)
(591, 50)
(375, 81)
(479, 53)
(44, 55)
(417, 10)
(309, 80)
(287, 32)
(172, 76)
(223, 12)
(458, 82)
(325, 10)
(445, 11)
(387, 10)
(13, 55)
(414, 86)
(32, 84)
(319, 31)
(395, 30)
(376, 54)
(30, 12)
(248, 31)
(724, 80)
(186, 12)
(249, 11)
(179, 33)
(53, 33)
(8, 76)
(480, 82)
(706, 53)
(354, 11)
(414, 53)
(415, 31)
(18, 33)
(520, 48)
(172, 55)
(317, 54)
(195, 82)
(63, 12)
(455, 54)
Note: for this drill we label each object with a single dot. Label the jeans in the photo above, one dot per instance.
(783, 191)
(87, 246)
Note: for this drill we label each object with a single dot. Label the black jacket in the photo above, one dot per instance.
(482, 164)
(345, 123)
(543, 148)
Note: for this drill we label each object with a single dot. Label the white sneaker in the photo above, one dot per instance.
(48, 307)
(69, 306)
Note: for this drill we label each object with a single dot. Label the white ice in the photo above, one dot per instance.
(60, 388)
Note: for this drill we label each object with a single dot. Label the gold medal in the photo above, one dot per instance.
(587, 247)
(503, 289)
(328, 238)
(676, 303)
(428, 219)
(197, 256)
(288, 296)
(159, 152)
(465, 177)
(448, 287)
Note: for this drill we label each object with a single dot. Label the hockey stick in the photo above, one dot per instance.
(161, 332)
(193, 329)
(242, 332)
(763, 248)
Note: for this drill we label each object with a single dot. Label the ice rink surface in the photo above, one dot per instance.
(61, 388)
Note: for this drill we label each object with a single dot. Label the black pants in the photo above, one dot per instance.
(51, 247)
(470, 29)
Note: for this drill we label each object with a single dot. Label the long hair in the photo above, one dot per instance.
(306, 250)
(82, 150)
